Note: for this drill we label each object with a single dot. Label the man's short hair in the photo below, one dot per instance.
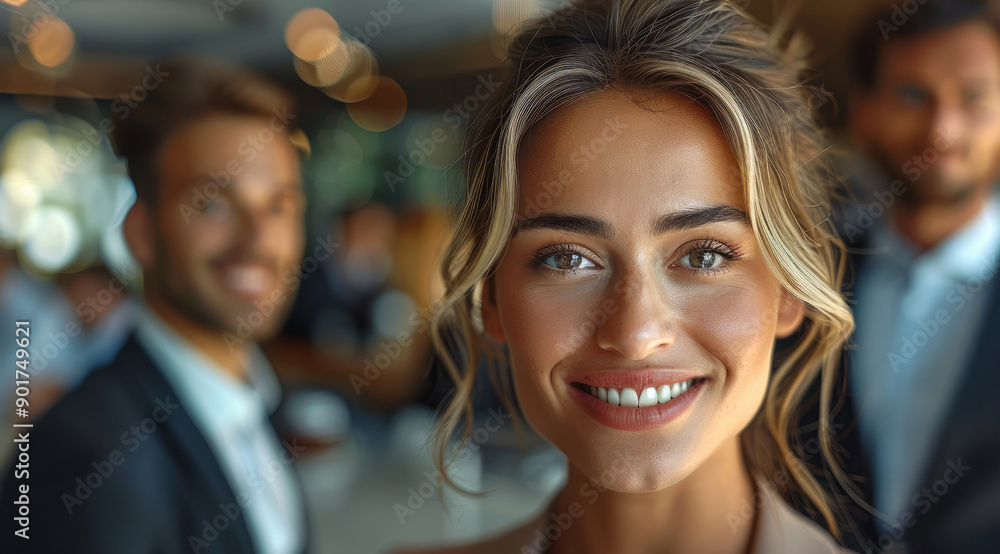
(897, 21)
(190, 89)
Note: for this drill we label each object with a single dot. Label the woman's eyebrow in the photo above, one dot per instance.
(676, 221)
(696, 217)
(580, 224)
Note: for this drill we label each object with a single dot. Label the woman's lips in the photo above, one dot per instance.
(635, 379)
(628, 409)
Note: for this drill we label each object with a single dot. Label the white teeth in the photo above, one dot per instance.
(648, 397)
(629, 398)
(663, 394)
(247, 278)
(613, 396)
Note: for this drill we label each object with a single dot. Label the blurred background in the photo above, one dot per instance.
(383, 126)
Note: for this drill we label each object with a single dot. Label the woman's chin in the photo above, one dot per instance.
(626, 476)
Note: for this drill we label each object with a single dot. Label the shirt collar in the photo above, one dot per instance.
(214, 395)
(962, 256)
(974, 247)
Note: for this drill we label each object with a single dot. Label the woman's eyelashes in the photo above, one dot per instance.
(702, 257)
(707, 256)
(562, 259)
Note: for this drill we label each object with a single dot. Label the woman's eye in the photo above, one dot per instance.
(702, 259)
(568, 260)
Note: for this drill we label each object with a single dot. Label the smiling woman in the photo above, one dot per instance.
(639, 296)
(694, 305)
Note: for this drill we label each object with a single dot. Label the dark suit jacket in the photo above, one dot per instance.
(118, 466)
(957, 509)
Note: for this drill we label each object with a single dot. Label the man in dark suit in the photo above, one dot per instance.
(921, 425)
(170, 448)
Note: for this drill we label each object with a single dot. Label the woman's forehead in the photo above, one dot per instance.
(608, 149)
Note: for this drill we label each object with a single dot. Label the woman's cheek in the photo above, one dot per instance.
(548, 323)
(543, 325)
(736, 325)
(735, 321)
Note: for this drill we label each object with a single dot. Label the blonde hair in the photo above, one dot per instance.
(714, 54)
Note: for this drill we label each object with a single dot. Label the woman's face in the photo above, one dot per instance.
(633, 269)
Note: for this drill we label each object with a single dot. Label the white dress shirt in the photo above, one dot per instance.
(918, 317)
(232, 415)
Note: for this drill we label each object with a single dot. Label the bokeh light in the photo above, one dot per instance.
(383, 110)
(61, 192)
(307, 71)
(19, 196)
(361, 78)
(317, 44)
(311, 34)
(52, 42)
(52, 239)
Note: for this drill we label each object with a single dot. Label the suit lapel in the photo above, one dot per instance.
(968, 435)
(973, 414)
(192, 452)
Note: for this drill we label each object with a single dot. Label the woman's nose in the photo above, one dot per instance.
(641, 322)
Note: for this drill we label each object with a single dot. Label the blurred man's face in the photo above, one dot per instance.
(225, 254)
(932, 119)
